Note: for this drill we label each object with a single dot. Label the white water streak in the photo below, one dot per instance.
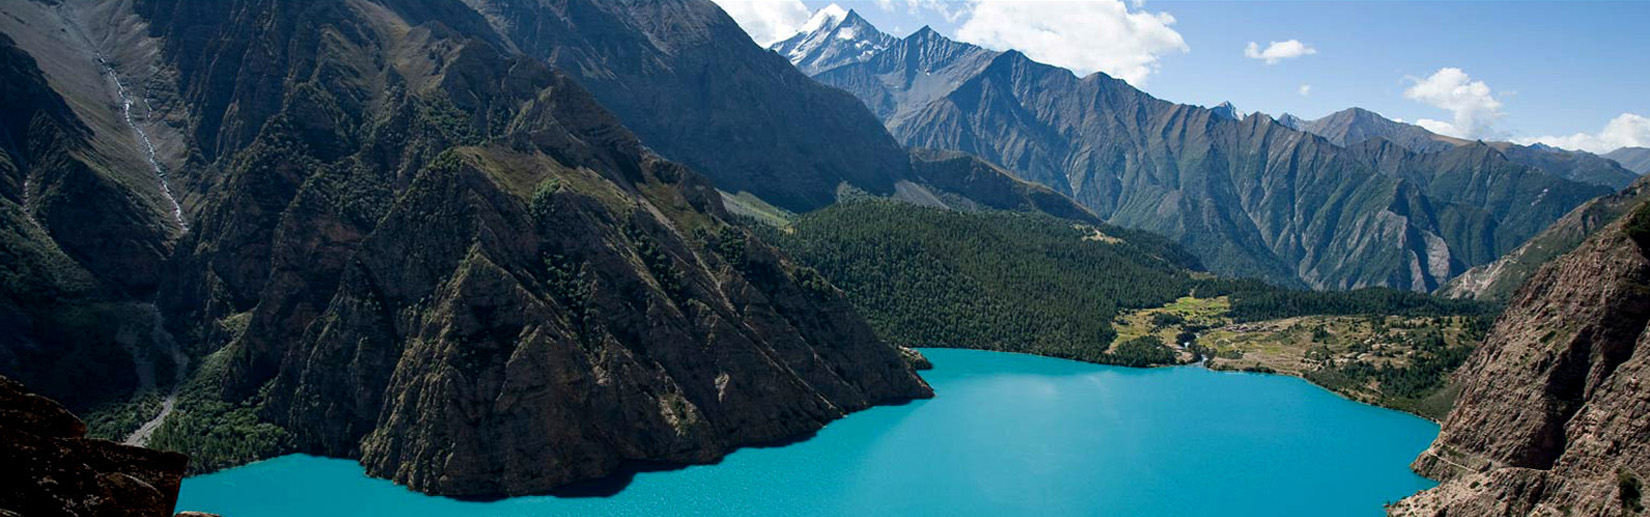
(148, 147)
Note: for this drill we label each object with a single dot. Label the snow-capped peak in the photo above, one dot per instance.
(833, 37)
(828, 16)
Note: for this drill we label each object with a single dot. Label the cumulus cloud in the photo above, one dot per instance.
(1278, 51)
(1306, 89)
(1472, 103)
(1083, 35)
(767, 21)
(1626, 130)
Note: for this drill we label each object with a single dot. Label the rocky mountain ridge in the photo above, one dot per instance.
(1354, 126)
(1250, 197)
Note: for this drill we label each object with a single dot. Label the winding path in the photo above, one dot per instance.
(158, 337)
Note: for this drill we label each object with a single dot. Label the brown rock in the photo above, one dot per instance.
(1554, 413)
(51, 468)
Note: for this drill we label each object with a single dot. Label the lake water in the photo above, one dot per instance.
(1008, 435)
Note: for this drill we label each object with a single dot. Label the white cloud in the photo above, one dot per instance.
(1626, 130)
(1083, 35)
(767, 21)
(1278, 51)
(1473, 105)
(1306, 89)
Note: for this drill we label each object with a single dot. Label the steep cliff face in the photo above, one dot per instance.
(1551, 419)
(52, 469)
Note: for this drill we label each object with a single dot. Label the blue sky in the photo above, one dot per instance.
(1527, 69)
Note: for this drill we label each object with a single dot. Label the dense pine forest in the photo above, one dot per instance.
(1033, 283)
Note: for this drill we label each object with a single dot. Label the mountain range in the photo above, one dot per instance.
(1251, 196)
(1636, 159)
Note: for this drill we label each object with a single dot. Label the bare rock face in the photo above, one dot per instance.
(51, 468)
(1554, 413)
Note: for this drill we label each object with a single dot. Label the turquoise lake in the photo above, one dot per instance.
(1008, 434)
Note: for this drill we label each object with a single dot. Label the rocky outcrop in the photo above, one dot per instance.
(1554, 415)
(52, 469)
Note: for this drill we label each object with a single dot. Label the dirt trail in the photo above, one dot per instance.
(159, 341)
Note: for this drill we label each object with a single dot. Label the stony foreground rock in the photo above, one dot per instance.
(48, 467)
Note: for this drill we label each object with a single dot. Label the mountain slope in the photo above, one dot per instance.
(80, 245)
(1250, 197)
(414, 245)
(1497, 281)
(1579, 166)
(1522, 200)
(1636, 159)
(1551, 418)
(695, 88)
